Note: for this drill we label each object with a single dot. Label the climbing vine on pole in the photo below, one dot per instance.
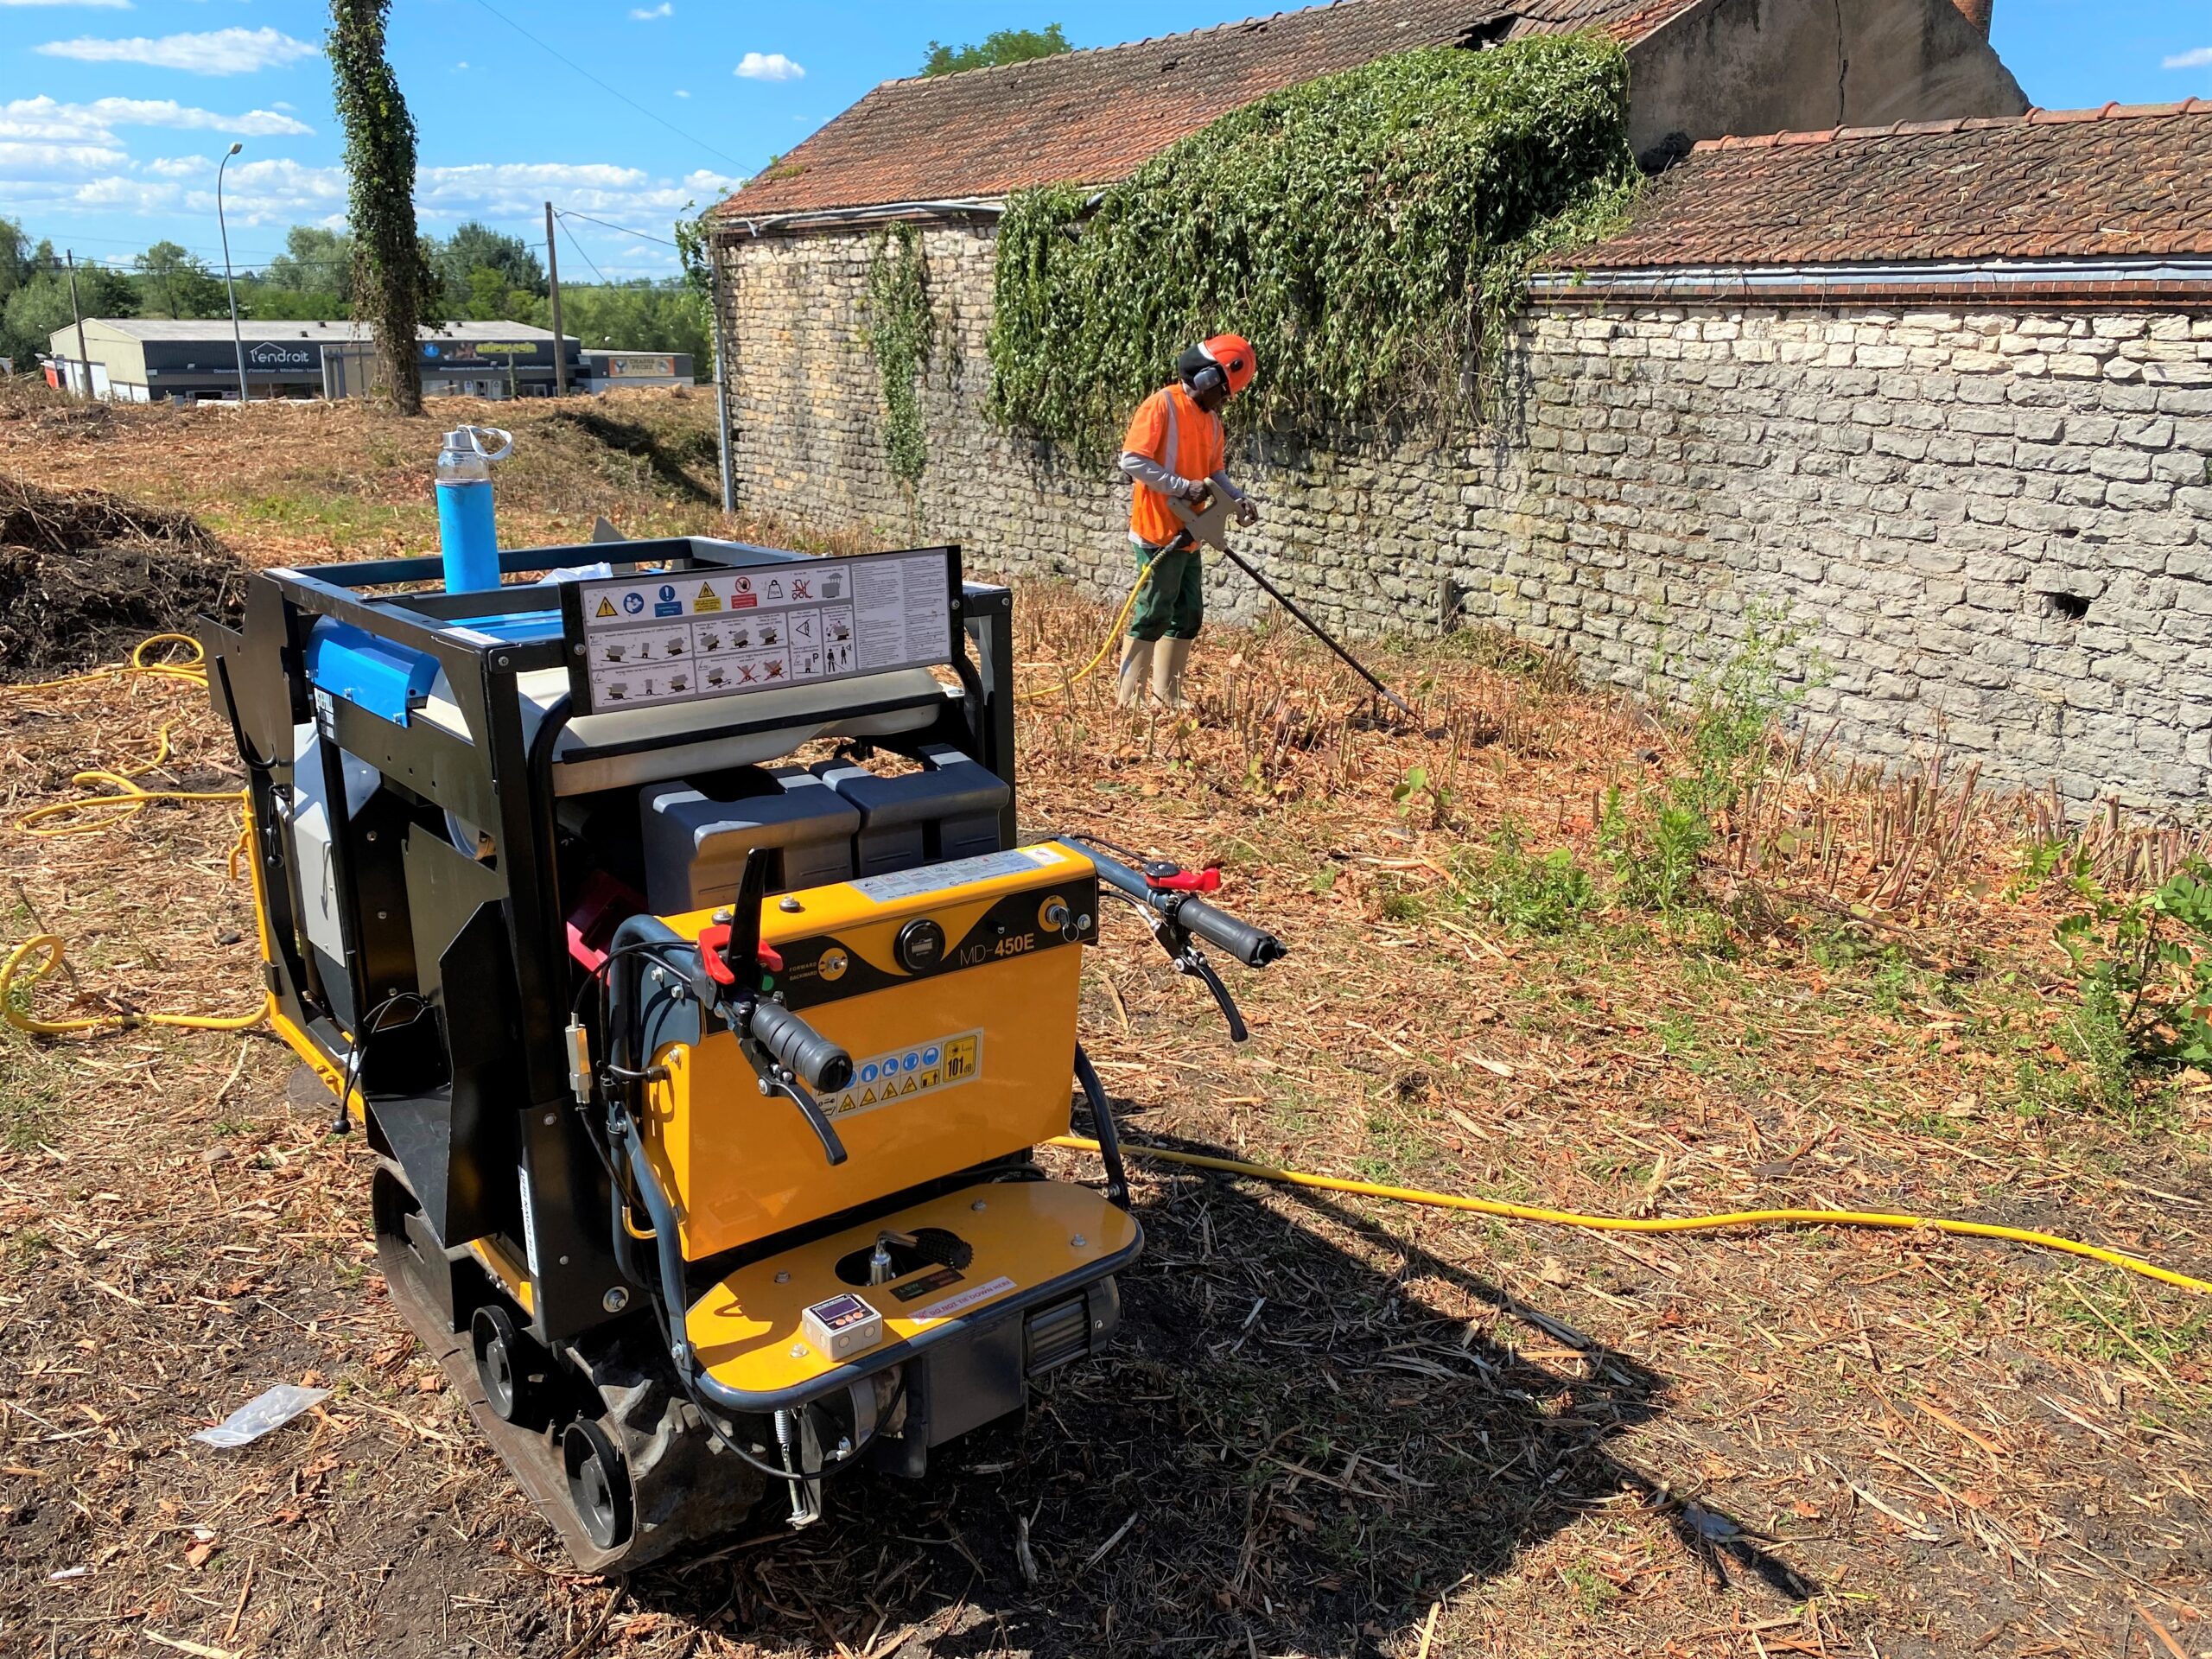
(390, 275)
(1369, 232)
(898, 327)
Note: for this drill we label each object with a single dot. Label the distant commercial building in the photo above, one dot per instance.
(133, 360)
(611, 371)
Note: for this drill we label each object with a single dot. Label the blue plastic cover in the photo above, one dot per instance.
(386, 679)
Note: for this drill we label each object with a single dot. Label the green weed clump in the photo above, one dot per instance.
(1546, 892)
(1656, 838)
(1369, 232)
(2144, 963)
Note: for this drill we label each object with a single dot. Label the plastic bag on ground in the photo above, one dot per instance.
(260, 1413)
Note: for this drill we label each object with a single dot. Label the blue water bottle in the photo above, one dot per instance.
(468, 537)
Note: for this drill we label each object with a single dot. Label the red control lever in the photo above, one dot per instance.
(714, 943)
(1163, 877)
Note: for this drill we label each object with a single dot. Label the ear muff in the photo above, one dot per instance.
(1209, 378)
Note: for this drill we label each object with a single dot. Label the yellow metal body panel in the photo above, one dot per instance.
(981, 1058)
(745, 1330)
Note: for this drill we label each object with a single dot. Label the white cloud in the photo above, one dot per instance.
(646, 14)
(218, 51)
(22, 158)
(103, 114)
(768, 66)
(2199, 59)
(680, 93)
(58, 178)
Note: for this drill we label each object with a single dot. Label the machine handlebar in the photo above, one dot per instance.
(799, 1048)
(1254, 947)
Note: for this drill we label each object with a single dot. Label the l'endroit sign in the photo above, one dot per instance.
(269, 355)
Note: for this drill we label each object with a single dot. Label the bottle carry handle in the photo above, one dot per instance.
(476, 435)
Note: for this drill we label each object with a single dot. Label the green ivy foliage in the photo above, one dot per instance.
(391, 273)
(897, 334)
(1369, 232)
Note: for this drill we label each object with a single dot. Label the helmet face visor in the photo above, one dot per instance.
(1233, 353)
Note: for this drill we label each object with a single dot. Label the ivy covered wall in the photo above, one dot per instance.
(1998, 522)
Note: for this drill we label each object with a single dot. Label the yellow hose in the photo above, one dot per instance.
(129, 799)
(1657, 1224)
(16, 1011)
(1113, 635)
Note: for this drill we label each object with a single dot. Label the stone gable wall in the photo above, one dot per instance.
(1992, 528)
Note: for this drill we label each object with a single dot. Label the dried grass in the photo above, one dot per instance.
(1331, 1428)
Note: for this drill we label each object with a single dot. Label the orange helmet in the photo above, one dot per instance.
(1234, 354)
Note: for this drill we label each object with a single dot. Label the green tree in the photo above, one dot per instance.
(39, 308)
(315, 261)
(15, 258)
(473, 247)
(173, 284)
(641, 316)
(391, 277)
(1001, 46)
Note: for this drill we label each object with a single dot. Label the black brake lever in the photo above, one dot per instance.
(1193, 961)
(773, 1081)
(1190, 961)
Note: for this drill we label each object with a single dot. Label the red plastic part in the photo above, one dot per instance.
(603, 906)
(714, 940)
(1205, 880)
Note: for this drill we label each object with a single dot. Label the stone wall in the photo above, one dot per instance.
(1994, 529)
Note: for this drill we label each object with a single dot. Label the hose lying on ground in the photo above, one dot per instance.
(1656, 1224)
(41, 955)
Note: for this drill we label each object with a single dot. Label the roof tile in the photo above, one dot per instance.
(2053, 183)
(1094, 116)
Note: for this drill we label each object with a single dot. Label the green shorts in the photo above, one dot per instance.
(1173, 604)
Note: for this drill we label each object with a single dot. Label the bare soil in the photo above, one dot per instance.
(1332, 1426)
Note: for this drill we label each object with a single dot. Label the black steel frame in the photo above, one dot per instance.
(519, 1105)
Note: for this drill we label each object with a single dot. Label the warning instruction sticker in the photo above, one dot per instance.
(677, 636)
(905, 1074)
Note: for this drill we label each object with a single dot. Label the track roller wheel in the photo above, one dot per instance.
(509, 1366)
(598, 1485)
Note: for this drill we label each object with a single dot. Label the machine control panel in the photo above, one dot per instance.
(652, 638)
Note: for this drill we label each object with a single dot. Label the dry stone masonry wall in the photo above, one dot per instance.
(1993, 529)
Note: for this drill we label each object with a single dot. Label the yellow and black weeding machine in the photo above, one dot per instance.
(703, 1085)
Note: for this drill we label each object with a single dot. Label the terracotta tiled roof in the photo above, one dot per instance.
(1094, 116)
(2121, 181)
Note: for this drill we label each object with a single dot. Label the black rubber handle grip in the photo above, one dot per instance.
(799, 1048)
(1254, 947)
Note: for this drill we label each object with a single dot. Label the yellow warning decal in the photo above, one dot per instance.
(909, 1073)
(707, 599)
(606, 607)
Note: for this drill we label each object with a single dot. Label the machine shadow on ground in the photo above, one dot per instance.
(1308, 1429)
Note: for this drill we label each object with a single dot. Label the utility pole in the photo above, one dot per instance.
(84, 356)
(553, 283)
(721, 376)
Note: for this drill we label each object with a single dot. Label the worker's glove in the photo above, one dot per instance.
(1188, 489)
(1248, 511)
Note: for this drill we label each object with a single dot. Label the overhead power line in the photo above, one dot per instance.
(567, 212)
(610, 91)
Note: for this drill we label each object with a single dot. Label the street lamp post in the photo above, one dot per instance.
(238, 339)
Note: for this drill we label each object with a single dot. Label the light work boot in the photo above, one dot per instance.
(1167, 671)
(1137, 667)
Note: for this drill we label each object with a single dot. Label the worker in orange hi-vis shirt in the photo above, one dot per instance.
(1174, 450)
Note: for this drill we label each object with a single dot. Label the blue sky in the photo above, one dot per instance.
(116, 110)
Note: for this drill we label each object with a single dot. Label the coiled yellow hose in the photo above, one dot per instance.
(41, 955)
